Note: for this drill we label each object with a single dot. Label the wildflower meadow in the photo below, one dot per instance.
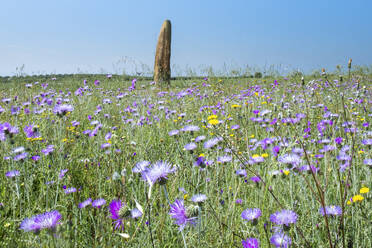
(103, 161)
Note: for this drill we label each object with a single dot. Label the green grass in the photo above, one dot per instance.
(91, 170)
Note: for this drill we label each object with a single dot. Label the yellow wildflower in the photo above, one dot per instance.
(235, 106)
(213, 122)
(286, 172)
(185, 196)
(357, 198)
(212, 117)
(364, 190)
(264, 155)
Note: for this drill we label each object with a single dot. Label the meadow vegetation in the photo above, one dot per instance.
(237, 161)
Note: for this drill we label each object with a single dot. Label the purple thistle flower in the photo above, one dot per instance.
(344, 166)
(105, 145)
(250, 243)
(6, 100)
(98, 203)
(12, 173)
(133, 86)
(256, 160)
(178, 212)
(198, 198)
(224, 159)
(189, 147)
(35, 157)
(241, 172)
(368, 161)
(70, 190)
(234, 127)
(85, 203)
(190, 128)
(135, 213)
(292, 159)
(367, 142)
(62, 173)
(49, 149)
(46, 220)
(18, 149)
(275, 150)
(21, 156)
(158, 172)
(284, 217)
(327, 148)
(14, 110)
(117, 210)
(31, 131)
(307, 168)
(343, 156)
(62, 109)
(281, 240)
(200, 161)
(251, 214)
(331, 210)
(255, 179)
(338, 140)
(29, 225)
(75, 123)
(108, 136)
(211, 143)
(140, 166)
(199, 138)
(173, 132)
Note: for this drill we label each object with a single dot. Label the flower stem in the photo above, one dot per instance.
(166, 193)
(184, 240)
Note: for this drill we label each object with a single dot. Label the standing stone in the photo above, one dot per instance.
(162, 71)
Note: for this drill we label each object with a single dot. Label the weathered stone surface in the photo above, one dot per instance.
(162, 71)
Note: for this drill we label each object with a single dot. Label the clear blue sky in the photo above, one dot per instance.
(63, 36)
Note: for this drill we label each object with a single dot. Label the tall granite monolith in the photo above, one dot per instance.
(162, 71)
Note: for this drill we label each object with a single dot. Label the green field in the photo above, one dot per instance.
(269, 130)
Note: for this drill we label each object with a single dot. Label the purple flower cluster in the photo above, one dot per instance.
(38, 222)
(331, 210)
(284, 217)
(250, 243)
(158, 172)
(251, 214)
(178, 212)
